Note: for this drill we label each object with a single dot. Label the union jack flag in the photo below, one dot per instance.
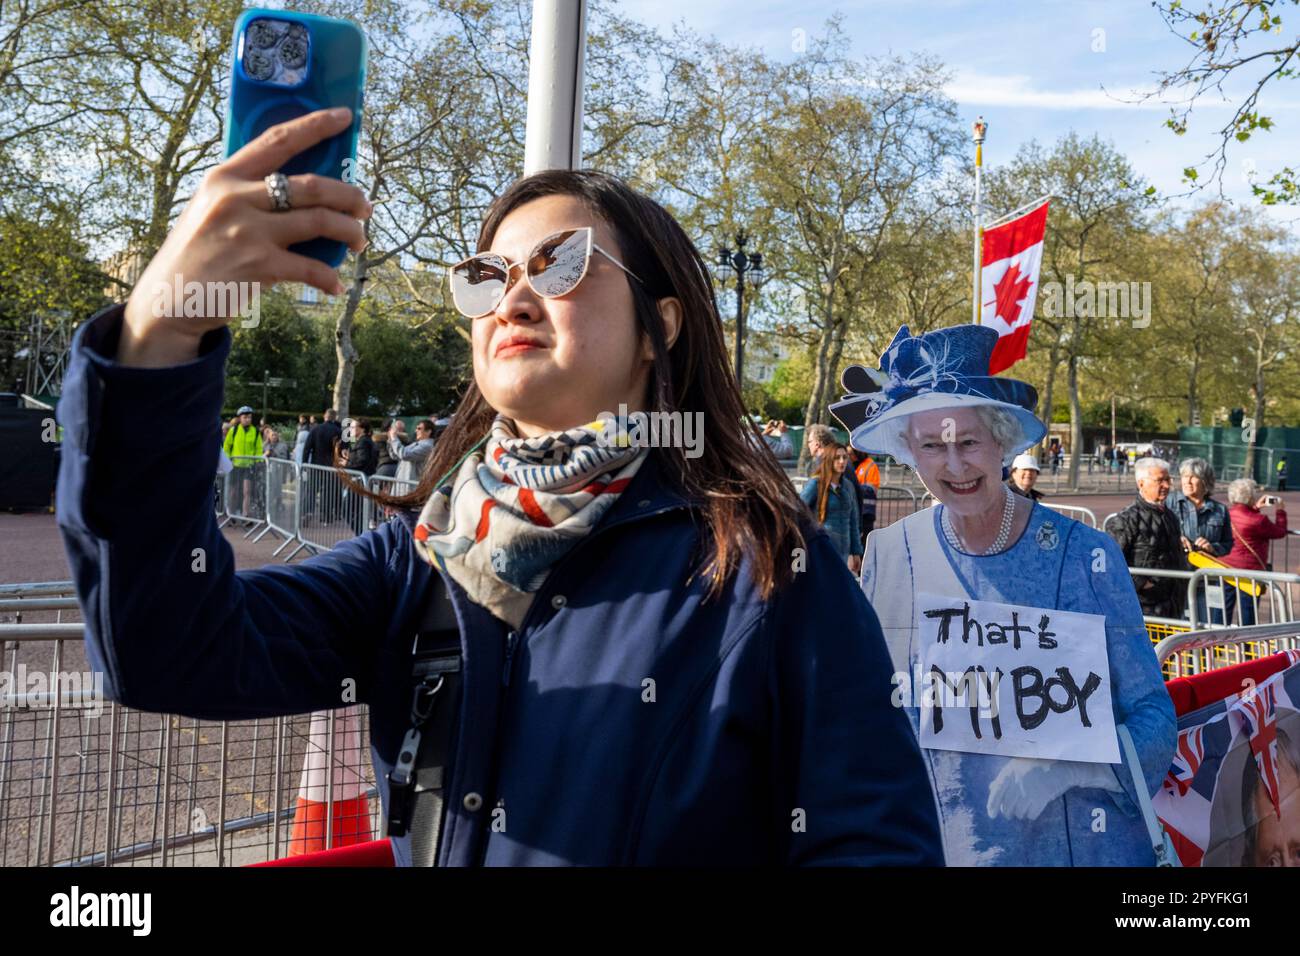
(1186, 799)
(1188, 756)
(1258, 712)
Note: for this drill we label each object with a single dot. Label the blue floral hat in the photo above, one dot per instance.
(947, 368)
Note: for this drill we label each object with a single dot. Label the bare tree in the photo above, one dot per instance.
(850, 144)
(1232, 39)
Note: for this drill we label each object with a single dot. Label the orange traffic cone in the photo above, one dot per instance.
(350, 819)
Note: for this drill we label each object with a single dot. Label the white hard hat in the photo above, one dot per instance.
(1025, 461)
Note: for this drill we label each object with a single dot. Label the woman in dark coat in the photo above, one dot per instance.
(662, 660)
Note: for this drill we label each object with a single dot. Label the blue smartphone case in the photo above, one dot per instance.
(285, 65)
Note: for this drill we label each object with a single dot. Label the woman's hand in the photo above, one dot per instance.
(229, 234)
(855, 563)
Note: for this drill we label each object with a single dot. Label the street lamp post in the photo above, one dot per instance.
(741, 262)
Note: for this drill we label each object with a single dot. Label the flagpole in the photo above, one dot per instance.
(978, 128)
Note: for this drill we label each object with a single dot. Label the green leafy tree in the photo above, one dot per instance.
(46, 273)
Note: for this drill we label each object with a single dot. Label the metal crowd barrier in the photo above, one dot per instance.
(1194, 652)
(329, 512)
(244, 492)
(87, 782)
(42, 589)
(1084, 515)
(383, 484)
(133, 788)
(1207, 590)
(308, 506)
(893, 503)
(282, 512)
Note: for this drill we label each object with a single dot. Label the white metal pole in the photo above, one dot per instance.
(557, 62)
(978, 128)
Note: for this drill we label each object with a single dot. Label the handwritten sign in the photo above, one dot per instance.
(1013, 680)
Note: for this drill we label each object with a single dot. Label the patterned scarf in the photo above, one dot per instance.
(514, 509)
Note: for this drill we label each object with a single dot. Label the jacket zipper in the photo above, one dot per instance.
(512, 641)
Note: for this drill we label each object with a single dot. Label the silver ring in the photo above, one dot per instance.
(277, 187)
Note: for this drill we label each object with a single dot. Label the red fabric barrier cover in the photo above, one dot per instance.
(1199, 690)
(375, 853)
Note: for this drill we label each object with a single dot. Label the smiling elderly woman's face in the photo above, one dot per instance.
(957, 457)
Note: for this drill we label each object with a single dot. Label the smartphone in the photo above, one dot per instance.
(1272, 500)
(288, 64)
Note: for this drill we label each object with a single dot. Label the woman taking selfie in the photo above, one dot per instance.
(645, 679)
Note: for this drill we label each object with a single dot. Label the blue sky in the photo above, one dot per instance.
(1030, 68)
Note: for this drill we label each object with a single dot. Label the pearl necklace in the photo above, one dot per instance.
(1004, 530)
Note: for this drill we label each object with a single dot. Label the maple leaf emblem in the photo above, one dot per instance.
(1009, 292)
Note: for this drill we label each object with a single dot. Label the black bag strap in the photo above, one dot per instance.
(416, 801)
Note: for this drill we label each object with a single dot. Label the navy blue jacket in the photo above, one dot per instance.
(770, 738)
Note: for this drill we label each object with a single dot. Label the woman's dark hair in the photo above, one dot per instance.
(750, 506)
(826, 476)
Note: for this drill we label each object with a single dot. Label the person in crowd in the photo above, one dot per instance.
(360, 453)
(357, 453)
(300, 439)
(242, 443)
(1205, 528)
(385, 463)
(1281, 473)
(1024, 475)
(275, 447)
(323, 495)
(411, 457)
(868, 476)
(815, 438)
(323, 440)
(1252, 532)
(832, 495)
(865, 468)
(1149, 536)
(579, 572)
(776, 434)
(957, 426)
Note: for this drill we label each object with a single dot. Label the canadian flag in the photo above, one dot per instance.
(1013, 253)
